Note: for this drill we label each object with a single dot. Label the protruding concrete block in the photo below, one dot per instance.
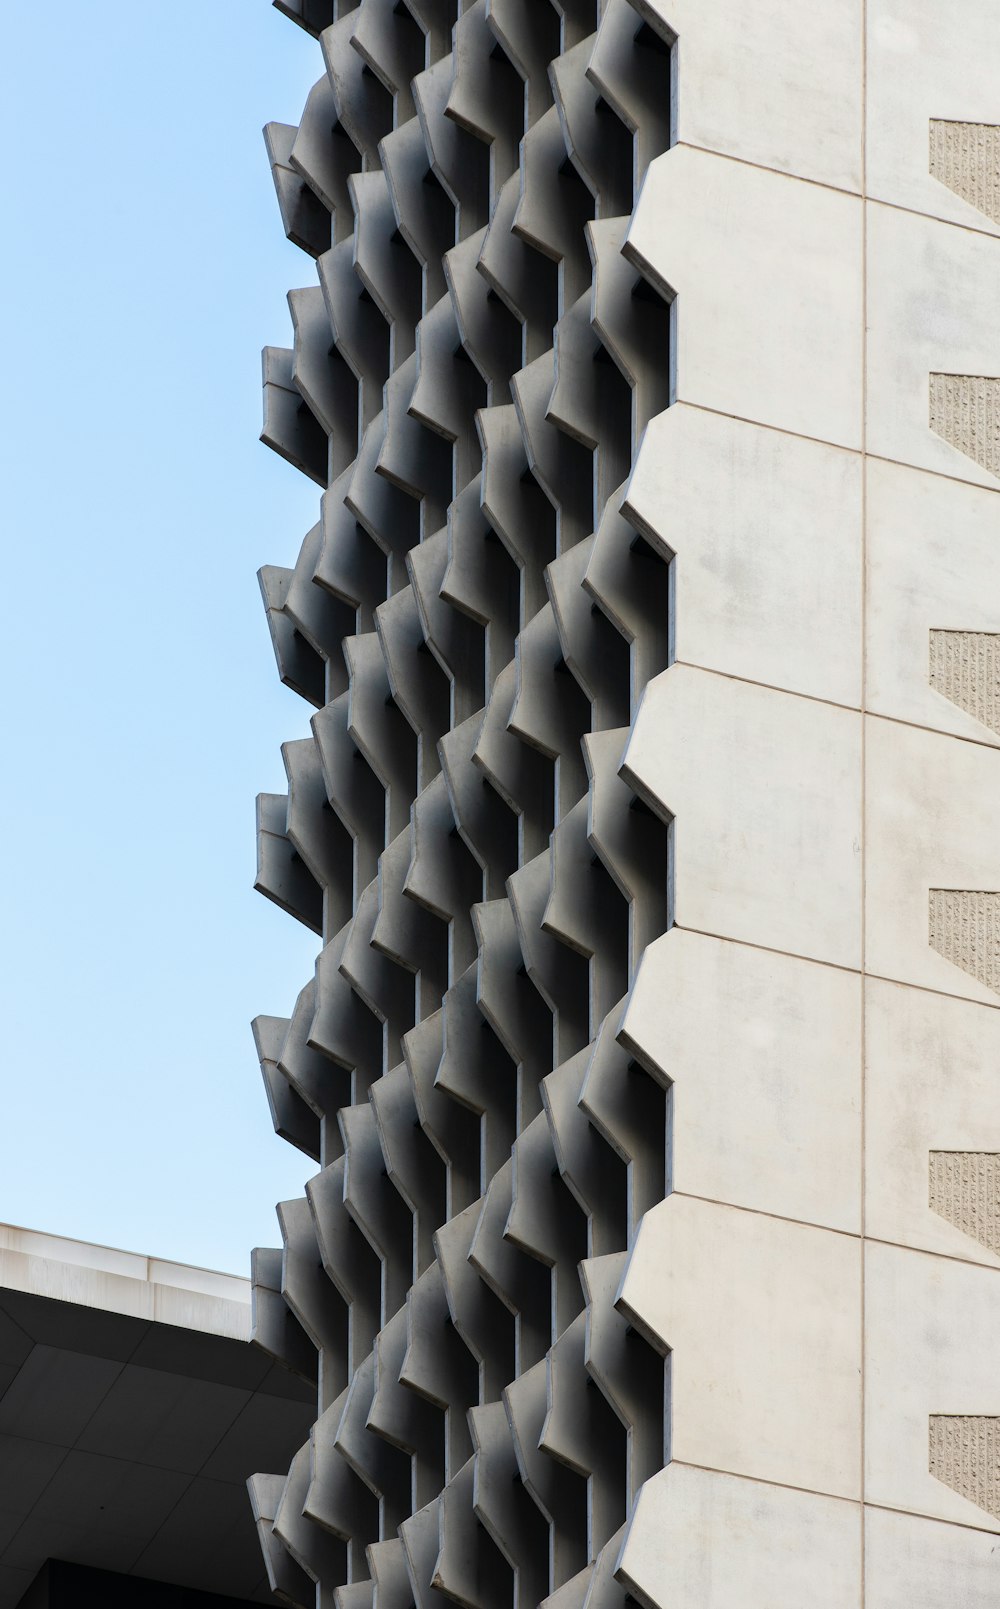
(785, 97)
(766, 529)
(763, 1053)
(765, 1368)
(754, 344)
(932, 616)
(764, 789)
(705, 1540)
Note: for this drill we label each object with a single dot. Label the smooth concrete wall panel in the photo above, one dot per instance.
(933, 563)
(931, 1328)
(927, 61)
(777, 93)
(764, 1052)
(767, 274)
(926, 1565)
(765, 789)
(763, 1318)
(931, 824)
(701, 1540)
(932, 309)
(930, 1086)
(766, 528)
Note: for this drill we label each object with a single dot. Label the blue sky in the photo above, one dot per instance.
(143, 267)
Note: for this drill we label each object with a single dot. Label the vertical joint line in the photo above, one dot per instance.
(864, 792)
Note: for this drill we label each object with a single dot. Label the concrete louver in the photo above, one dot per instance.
(474, 619)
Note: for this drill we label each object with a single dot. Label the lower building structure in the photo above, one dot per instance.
(132, 1407)
(650, 372)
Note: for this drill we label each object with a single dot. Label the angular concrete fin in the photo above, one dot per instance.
(467, 381)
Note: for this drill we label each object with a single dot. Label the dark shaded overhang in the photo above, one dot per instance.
(132, 1410)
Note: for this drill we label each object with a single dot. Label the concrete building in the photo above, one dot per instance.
(132, 1406)
(650, 370)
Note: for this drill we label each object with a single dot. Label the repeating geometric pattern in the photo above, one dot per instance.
(474, 621)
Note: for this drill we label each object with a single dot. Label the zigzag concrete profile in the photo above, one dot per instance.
(647, 362)
(476, 617)
(650, 369)
(651, 373)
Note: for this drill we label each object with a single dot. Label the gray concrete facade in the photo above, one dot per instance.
(650, 370)
(475, 619)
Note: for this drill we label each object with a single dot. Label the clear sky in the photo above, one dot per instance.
(143, 266)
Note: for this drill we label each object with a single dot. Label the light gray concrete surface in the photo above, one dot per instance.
(933, 554)
(765, 791)
(910, 85)
(740, 1401)
(704, 1540)
(755, 341)
(924, 1564)
(931, 311)
(789, 98)
(783, 1136)
(75, 1271)
(930, 826)
(731, 501)
(650, 832)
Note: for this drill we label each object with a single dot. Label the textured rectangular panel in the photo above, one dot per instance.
(965, 1455)
(965, 668)
(966, 157)
(965, 411)
(965, 1189)
(702, 1274)
(965, 929)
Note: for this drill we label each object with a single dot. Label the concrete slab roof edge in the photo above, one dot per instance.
(116, 1281)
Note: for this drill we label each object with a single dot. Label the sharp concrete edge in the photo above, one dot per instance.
(474, 620)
